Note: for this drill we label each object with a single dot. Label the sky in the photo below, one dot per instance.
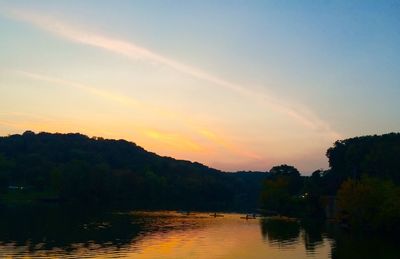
(235, 85)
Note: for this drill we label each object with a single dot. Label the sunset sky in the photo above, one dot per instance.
(236, 85)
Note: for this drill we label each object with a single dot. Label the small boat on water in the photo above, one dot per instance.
(249, 216)
(215, 215)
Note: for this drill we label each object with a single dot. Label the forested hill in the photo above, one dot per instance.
(74, 167)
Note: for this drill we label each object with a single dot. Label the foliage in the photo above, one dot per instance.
(313, 190)
(370, 203)
(281, 190)
(376, 156)
(5, 167)
(74, 167)
(290, 175)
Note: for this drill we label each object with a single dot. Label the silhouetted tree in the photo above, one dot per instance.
(377, 156)
(281, 190)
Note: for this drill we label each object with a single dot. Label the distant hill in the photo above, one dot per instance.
(75, 168)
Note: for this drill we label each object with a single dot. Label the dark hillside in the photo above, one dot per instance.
(74, 167)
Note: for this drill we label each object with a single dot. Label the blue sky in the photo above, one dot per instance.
(232, 84)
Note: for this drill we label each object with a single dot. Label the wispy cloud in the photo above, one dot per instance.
(112, 96)
(131, 50)
(174, 140)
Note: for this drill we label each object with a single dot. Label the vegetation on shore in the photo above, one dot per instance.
(79, 169)
(362, 185)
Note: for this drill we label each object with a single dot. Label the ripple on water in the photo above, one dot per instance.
(161, 234)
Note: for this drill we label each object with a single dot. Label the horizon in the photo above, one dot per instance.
(230, 85)
(191, 161)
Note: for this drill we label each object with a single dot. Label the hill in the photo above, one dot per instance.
(76, 168)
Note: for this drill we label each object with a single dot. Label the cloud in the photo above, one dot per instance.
(178, 141)
(115, 97)
(300, 113)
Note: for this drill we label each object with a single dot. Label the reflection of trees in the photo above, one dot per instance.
(68, 229)
(313, 234)
(353, 245)
(286, 233)
(280, 233)
(72, 228)
(62, 228)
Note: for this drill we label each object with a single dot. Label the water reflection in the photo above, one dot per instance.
(361, 246)
(314, 234)
(70, 232)
(280, 233)
(65, 228)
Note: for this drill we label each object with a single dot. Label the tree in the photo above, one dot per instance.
(370, 203)
(281, 190)
(291, 175)
(284, 170)
(6, 166)
(376, 156)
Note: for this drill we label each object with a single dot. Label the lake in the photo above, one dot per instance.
(65, 232)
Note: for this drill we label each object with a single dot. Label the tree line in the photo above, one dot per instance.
(76, 168)
(362, 185)
(362, 181)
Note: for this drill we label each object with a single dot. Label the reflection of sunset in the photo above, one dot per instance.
(202, 237)
(170, 235)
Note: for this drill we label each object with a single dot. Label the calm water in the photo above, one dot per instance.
(81, 233)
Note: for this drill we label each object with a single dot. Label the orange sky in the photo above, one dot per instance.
(230, 88)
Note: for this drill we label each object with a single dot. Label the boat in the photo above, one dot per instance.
(249, 216)
(215, 215)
